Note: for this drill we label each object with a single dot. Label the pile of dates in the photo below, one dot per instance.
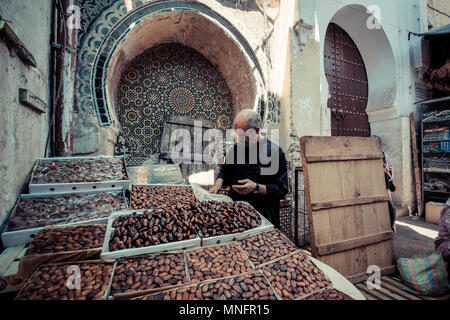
(148, 197)
(329, 294)
(74, 171)
(143, 229)
(216, 262)
(295, 276)
(267, 246)
(40, 212)
(184, 293)
(50, 282)
(148, 272)
(243, 287)
(213, 218)
(61, 239)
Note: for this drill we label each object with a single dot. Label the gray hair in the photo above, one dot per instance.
(254, 119)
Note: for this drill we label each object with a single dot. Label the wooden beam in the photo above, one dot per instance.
(189, 121)
(344, 157)
(417, 175)
(348, 202)
(353, 243)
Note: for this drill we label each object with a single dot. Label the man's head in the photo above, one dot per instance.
(247, 125)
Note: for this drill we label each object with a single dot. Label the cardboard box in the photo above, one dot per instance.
(433, 212)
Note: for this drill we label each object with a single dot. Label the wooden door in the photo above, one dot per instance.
(173, 123)
(347, 81)
(347, 204)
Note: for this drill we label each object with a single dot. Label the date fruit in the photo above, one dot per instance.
(50, 283)
(41, 212)
(295, 276)
(216, 262)
(148, 272)
(329, 294)
(149, 197)
(242, 287)
(74, 171)
(267, 246)
(143, 229)
(184, 293)
(213, 218)
(73, 238)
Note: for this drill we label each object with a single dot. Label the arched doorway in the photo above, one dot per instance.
(168, 79)
(347, 80)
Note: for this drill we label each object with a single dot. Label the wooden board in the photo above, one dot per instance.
(197, 165)
(347, 203)
(417, 175)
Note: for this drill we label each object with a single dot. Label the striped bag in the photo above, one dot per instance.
(424, 274)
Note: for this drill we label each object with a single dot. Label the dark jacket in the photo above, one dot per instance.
(277, 183)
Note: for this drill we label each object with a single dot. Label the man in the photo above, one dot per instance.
(442, 242)
(255, 168)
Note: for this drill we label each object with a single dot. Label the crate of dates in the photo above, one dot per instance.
(138, 232)
(32, 213)
(295, 276)
(61, 282)
(219, 222)
(247, 286)
(216, 262)
(78, 174)
(158, 196)
(146, 274)
(66, 243)
(183, 293)
(328, 294)
(266, 247)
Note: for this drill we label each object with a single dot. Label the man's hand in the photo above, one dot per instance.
(217, 186)
(247, 186)
(214, 190)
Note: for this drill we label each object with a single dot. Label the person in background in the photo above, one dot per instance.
(388, 177)
(247, 178)
(442, 242)
(390, 186)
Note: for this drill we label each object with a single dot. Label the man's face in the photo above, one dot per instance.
(243, 134)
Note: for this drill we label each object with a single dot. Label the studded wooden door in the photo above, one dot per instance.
(347, 81)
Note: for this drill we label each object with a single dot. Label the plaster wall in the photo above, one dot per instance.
(23, 131)
(386, 53)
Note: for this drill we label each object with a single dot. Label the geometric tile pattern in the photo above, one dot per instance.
(167, 80)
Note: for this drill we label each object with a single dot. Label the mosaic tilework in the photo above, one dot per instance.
(167, 80)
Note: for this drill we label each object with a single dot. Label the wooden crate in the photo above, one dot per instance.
(347, 204)
(9, 267)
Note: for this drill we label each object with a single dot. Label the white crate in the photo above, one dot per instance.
(77, 186)
(26, 236)
(171, 246)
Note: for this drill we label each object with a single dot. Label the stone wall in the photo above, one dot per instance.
(23, 131)
(436, 16)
